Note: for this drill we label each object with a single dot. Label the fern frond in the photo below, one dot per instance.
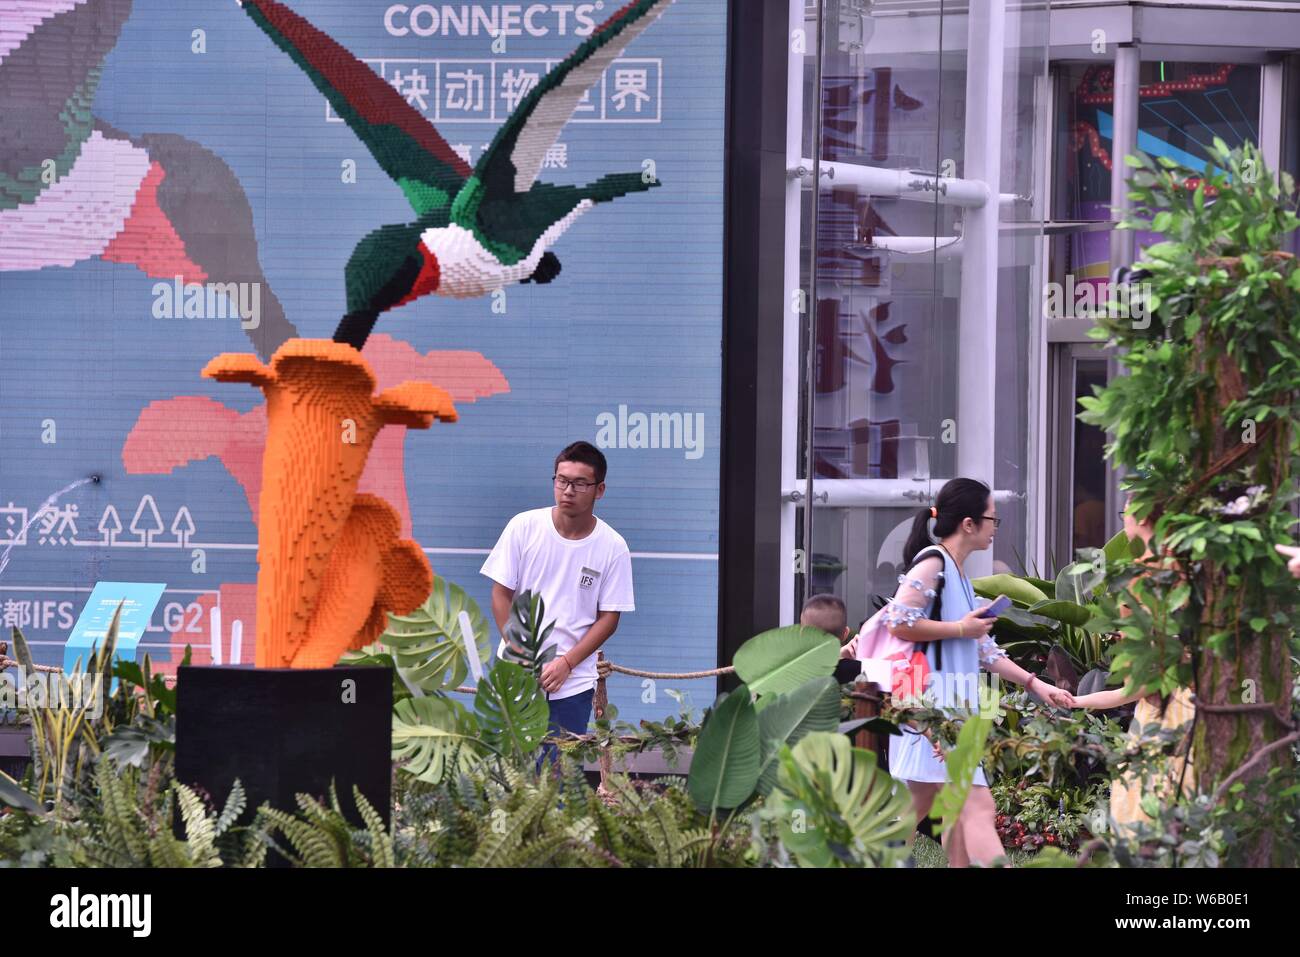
(381, 841)
(235, 805)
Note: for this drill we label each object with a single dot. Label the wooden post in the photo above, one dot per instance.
(599, 702)
(864, 707)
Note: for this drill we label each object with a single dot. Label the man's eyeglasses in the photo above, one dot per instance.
(989, 518)
(579, 486)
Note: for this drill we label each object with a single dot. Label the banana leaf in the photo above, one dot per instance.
(728, 755)
(1019, 590)
(813, 706)
(1071, 613)
(780, 660)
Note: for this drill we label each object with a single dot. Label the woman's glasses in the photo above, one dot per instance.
(989, 518)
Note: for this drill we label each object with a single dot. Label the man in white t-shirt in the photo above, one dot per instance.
(582, 569)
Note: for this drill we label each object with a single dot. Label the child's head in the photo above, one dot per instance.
(579, 478)
(828, 613)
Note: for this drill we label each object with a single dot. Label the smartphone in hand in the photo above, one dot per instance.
(996, 607)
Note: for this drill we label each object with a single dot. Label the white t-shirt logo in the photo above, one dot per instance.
(587, 577)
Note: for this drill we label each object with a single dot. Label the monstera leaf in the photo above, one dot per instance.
(427, 645)
(525, 633)
(836, 808)
(813, 706)
(727, 758)
(131, 743)
(512, 711)
(434, 738)
(779, 661)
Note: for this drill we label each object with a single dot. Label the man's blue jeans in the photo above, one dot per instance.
(568, 714)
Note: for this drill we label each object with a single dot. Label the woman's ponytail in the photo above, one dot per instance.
(919, 537)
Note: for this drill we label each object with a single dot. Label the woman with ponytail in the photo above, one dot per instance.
(935, 606)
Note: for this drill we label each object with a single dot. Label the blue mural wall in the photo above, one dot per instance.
(192, 145)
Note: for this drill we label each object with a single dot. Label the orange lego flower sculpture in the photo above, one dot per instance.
(331, 563)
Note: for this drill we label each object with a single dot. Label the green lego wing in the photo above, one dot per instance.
(509, 166)
(404, 143)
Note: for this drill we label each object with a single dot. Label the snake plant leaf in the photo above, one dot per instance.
(427, 645)
(13, 794)
(1019, 590)
(813, 706)
(434, 738)
(728, 755)
(836, 808)
(22, 652)
(962, 762)
(780, 660)
(512, 711)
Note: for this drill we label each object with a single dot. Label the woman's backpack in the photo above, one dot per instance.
(909, 668)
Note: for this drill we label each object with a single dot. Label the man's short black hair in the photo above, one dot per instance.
(826, 612)
(584, 453)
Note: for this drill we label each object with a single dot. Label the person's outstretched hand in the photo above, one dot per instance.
(1061, 698)
(1293, 553)
(850, 648)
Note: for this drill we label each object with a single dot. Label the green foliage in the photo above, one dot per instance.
(512, 711)
(434, 737)
(813, 706)
(426, 647)
(124, 819)
(66, 739)
(728, 756)
(780, 660)
(835, 808)
(521, 817)
(1058, 614)
(1203, 419)
(962, 763)
(132, 744)
(526, 633)
(321, 836)
(1037, 815)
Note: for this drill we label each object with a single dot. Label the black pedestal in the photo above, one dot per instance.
(282, 731)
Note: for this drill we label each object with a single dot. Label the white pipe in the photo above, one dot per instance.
(236, 641)
(214, 633)
(880, 493)
(905, 184)
(946, 247)
(790, 327)
(975, 414)
(1123, 142)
